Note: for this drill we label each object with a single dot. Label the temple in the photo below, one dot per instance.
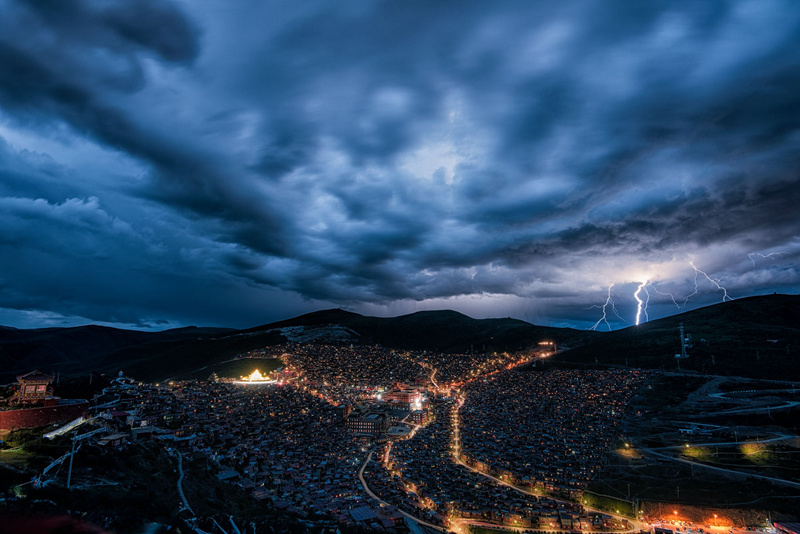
(34, 388)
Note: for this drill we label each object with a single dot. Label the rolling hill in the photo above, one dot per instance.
(157, 355)
(81, 349)
(440, 330)
(445, 331)
(757, 337)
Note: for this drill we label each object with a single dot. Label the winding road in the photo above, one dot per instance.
(636, 525)
(180, 485)
(377, 498)
(722, 469)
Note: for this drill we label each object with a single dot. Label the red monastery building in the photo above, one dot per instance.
(34, 388)
(33, 404)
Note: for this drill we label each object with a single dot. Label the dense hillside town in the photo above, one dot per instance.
(357, 436)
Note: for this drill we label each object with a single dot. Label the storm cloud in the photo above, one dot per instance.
(170, 163)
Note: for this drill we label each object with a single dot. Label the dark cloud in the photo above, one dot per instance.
(197, 163)
(157, 27)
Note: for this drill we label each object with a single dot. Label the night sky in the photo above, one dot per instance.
(235, 163)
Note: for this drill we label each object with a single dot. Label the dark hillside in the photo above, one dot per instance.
(441, 330)
(188, 357)
(447, 331)
(78, 349)
(757, 337)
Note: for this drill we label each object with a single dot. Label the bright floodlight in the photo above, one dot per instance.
(255, 378)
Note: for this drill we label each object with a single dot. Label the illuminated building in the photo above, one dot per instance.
(255, 378)
(35, 405)
(35, 388)
(403, 395)
(409, 399)
(419, 417)
(372, 424)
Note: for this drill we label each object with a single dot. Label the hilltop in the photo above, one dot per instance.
(80, 349)
(756, 337)
(439, 330)
(157, 355)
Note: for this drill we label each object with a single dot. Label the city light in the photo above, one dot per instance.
(413, 468)
(255, 378)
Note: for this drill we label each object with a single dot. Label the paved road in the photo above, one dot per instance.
(780, 437)
(788, 404)
(460, 524)
(374, 496)
(724, 470)
(180, 484)
(760, 392)
(636, 525)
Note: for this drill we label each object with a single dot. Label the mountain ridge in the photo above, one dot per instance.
(755, 336)
(727, 336)
(444, 330)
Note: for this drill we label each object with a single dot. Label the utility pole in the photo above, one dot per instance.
(682, 355)
(683, 344)
(71, 456)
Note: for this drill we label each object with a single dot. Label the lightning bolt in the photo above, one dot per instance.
(646, 286)
(642, 304)
(714, 281)
(771, 256)
(670, 295)
(642, 295)
(604, 307)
